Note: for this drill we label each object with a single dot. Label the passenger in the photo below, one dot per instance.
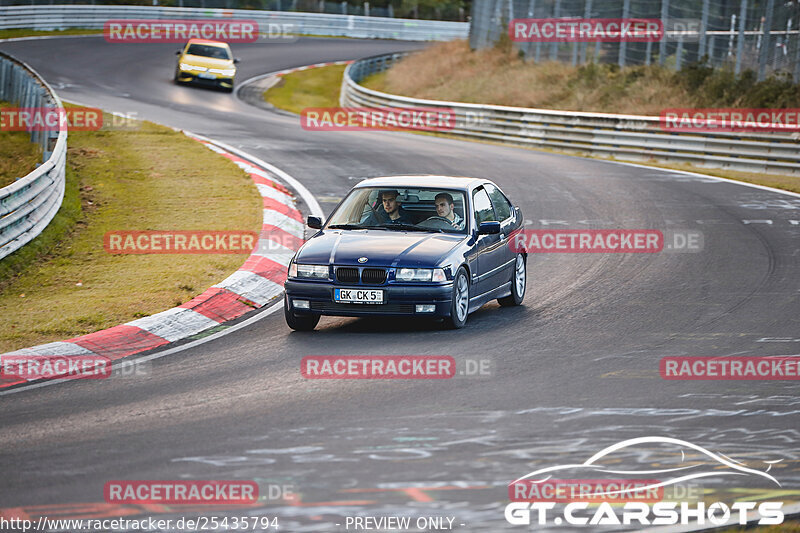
(445, 209)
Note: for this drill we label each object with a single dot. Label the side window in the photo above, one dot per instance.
(500, 203)
(483, 207)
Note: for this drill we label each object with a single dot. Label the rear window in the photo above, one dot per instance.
(206, 50)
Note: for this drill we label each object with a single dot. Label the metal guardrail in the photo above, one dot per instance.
(628, 137)
(57, 17)
(28, 205)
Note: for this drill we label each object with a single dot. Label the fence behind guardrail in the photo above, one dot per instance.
(621, 136)
(58, 17)
(29, 204)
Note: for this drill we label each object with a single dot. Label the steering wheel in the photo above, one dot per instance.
(436, 222)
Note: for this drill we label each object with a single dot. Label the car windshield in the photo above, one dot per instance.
(401, 209)
(207, 50)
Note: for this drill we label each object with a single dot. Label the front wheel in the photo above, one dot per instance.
(298, 323)
(459, 305)
(517, 284)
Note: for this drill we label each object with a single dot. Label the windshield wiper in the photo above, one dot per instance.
(412, 227)
(346, 226)
(354, 226)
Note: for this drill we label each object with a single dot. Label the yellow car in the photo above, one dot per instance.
(206, 62)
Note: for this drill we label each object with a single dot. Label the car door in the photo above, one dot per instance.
(490, 248)
(506, 215)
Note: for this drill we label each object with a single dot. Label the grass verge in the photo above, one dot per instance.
(27, 32)
(451, 71)
(315, 87)
(319, 87)
(64, 284)
(18, 155)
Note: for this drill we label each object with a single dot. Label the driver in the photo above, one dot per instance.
(393, 208)
(444, 208)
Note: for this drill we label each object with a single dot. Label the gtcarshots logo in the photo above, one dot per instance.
(536, 495)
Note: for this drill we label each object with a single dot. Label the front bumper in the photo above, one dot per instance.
(399, 300)
(193, 77)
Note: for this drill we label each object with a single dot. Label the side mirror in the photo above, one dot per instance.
(489, 228)
(178, 52)
(316, 222)
(236, 59)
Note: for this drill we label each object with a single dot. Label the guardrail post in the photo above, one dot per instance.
(765, 41)
(797, 57)
(554, 46)
(701, 49)
(662, 45)
(623, 45)
(587, 13)
(740, 38)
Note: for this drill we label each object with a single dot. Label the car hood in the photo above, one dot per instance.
(381, 248)
(208, 62)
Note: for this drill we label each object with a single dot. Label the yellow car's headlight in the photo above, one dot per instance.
(187, 66)
(223, 71)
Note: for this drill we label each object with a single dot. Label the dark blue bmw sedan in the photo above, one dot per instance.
(432, 246)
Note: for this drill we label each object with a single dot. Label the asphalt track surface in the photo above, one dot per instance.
(574, 370)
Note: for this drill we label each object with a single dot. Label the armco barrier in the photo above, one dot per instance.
(56, 17)
(628, 137)
(28, 205)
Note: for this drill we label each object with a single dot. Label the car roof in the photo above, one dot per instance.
(208, 41)
(422, 181)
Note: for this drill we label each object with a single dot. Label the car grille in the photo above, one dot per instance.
(368, 276)
(373, 276)
(378, 309)
(347, 275)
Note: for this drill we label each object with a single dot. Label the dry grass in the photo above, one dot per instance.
(149, 179)
(450, 71)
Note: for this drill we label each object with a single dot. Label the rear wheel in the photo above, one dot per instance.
(298, 323)
(459, 305)
(517, 284)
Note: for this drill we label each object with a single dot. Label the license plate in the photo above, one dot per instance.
(358, 296)
(206, 76)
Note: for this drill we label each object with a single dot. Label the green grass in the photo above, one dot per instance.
(316, 87)
(18, 155)
(26, 32)
(64, 284)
